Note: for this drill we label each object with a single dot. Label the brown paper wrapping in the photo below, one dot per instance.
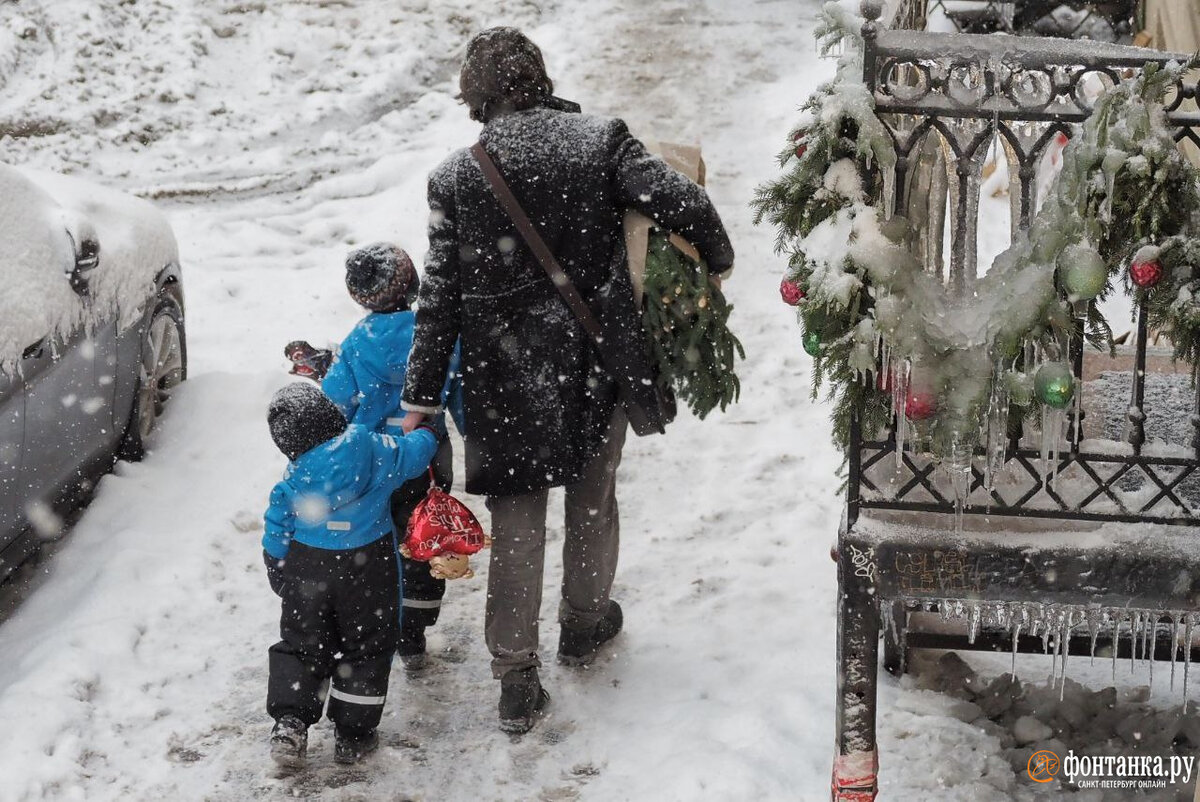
(687, 160)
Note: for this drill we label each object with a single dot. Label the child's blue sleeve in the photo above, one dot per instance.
(452, 393)
(339, 383)
(279, 522)
(405, 457)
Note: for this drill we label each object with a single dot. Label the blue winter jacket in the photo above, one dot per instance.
(336, 495)
(367, 378)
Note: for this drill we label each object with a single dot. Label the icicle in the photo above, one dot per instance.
(1134, 627)
(889, 193)
(1153, 636)
(973, 626)
(1055, 446)
(1016, 636)
(899, 402)
(885, 358)
(1188, 622)
(997, 426)
(958, 465)
(1077, 429)
(1066, 652)
(1052, 424)
(1093, 622)
(1174, 646)
(1116, 634)
(1056, 655)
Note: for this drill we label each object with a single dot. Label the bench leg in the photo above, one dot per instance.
(895, 637)
(856, 765)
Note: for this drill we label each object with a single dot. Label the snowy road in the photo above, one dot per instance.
(290, 132)
(138, 667)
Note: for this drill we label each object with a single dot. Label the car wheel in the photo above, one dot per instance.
(163, 366)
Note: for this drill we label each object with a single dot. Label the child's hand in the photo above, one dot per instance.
(412, 420)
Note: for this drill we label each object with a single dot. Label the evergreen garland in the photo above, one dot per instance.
(686, 318)
(1123, 186)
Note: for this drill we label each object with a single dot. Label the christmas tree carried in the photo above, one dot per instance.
(685, 314)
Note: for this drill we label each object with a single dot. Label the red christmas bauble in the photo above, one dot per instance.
(1145, 273)
(920, 404)
(801, 145)
(791, 292)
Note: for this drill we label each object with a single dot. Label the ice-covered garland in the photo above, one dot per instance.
(886, 335)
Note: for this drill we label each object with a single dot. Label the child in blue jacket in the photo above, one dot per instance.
(366, 381)
(331, 553)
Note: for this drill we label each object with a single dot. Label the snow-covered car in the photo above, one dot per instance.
(91, 342)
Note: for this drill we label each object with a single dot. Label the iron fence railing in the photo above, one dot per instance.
(946, 101)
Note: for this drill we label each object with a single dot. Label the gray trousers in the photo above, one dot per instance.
(518, 555)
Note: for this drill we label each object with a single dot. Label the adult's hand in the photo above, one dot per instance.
(412, 420)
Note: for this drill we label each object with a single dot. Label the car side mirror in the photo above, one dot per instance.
(87, 258)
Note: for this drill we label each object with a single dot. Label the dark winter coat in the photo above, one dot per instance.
(536, 398)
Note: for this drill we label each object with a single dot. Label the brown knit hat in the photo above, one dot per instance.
(503, 71)
(381, 277)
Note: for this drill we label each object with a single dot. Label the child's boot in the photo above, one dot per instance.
(289, 742)
(349, 749)
(412, 645)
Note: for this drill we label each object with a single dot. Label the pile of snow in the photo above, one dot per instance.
(229, 96)
(966, 730)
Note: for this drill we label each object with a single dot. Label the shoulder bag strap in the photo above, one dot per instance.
(533, 239)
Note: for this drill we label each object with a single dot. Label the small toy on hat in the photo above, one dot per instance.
(445, 533)
(382, 278)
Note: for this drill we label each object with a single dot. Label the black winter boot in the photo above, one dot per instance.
(412, 646)
(578, 647)
(289, 742)
(522, 698)
(349, 749)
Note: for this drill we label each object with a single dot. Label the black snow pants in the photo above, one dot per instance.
(422, 593)
(337, 634)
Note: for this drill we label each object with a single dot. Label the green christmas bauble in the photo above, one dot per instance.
(1082, 272)
(1054, 384)
(812, 343)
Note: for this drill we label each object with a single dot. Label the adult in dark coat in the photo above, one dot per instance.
(541, 408)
